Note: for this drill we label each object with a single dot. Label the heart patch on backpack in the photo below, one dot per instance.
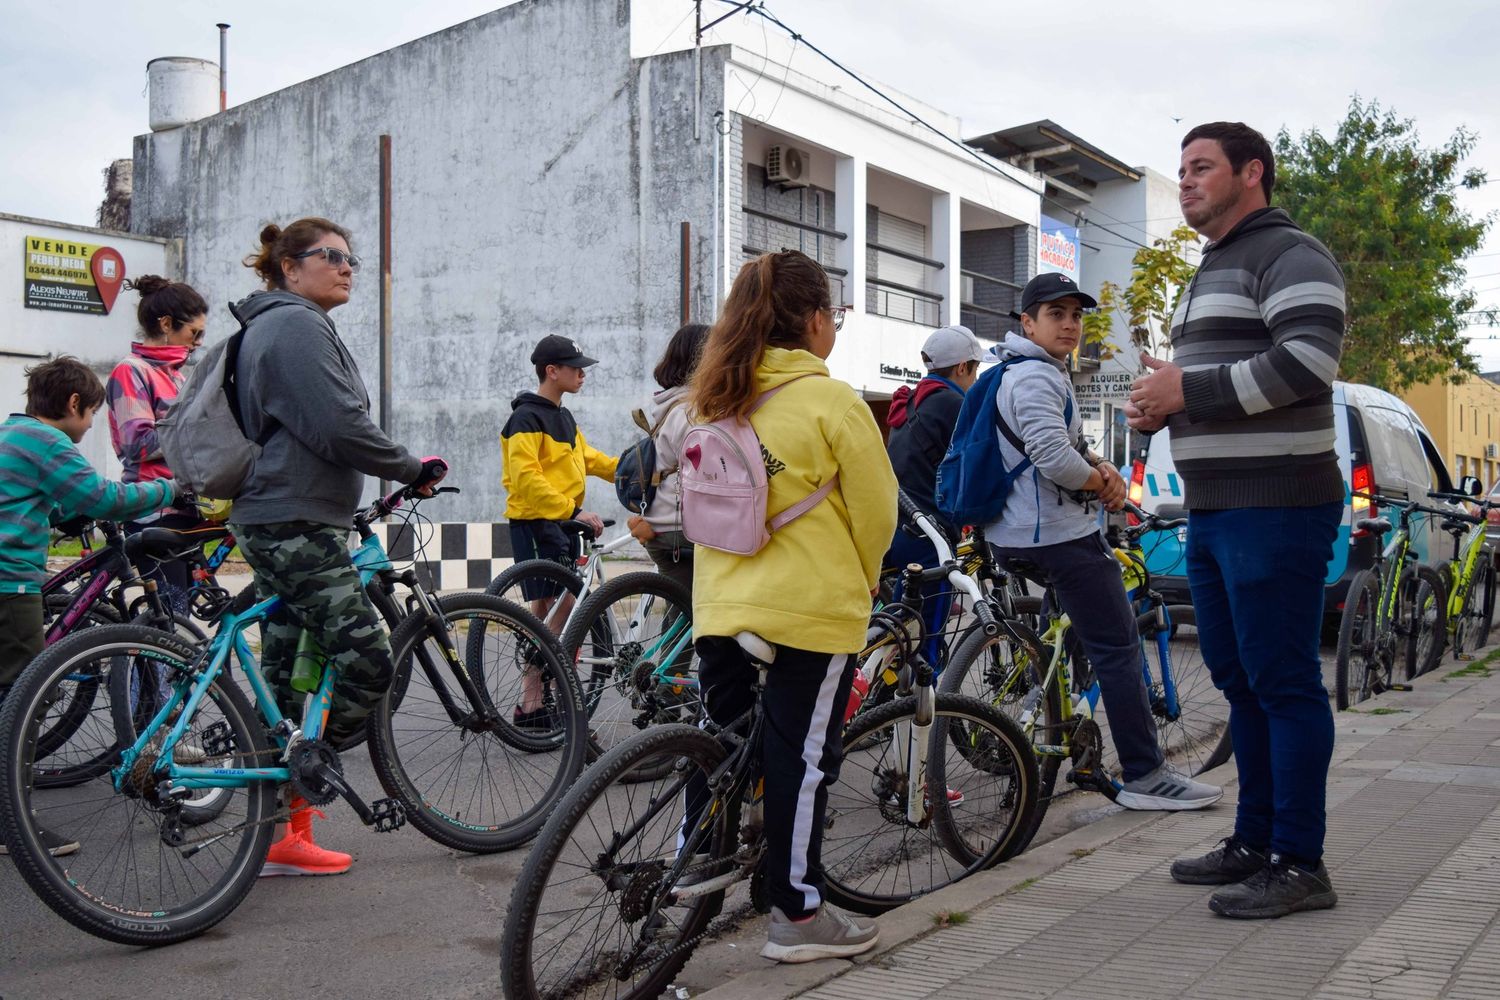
(694, 454)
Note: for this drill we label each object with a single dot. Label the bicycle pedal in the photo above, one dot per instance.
(387, 815)
(217, 740)
(1399, 687)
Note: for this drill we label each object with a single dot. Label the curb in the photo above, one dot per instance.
(915, 920)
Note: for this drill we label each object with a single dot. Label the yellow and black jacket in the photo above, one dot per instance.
(545, 461)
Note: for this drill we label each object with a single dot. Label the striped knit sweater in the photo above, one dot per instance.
(41, 471)
(1258, 334)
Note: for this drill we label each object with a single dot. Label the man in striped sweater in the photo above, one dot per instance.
(41, 472)
(1248, 398)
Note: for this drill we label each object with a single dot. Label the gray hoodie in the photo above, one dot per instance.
(1031, 400)
(299, 384)
(670, 408)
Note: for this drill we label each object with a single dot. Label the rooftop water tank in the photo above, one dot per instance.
(182, 90)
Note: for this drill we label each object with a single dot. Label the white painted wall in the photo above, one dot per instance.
(30, 335)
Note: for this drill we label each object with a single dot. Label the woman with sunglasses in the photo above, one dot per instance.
(302, 399)
(172, 317)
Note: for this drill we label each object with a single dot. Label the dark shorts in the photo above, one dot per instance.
(540, 540)
(21, 635)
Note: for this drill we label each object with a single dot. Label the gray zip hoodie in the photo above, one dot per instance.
(299, 384)
(1031, 400)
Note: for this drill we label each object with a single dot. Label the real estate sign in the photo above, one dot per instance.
(70, 275)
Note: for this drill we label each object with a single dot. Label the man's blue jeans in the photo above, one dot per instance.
(1257, 580)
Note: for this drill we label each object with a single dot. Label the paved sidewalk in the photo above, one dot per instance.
(1413, 849)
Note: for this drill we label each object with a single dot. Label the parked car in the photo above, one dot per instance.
(1492, 528)
(1382, 448)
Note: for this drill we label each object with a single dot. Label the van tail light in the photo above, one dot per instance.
(1137, 487)
(1361, 480)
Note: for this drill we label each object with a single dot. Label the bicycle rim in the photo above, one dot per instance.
(1196, 737)
(126, 883)
(484, 782)
(979, 794)
(1358, 651)
(592, 890)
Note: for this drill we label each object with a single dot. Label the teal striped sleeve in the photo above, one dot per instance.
(78, 489)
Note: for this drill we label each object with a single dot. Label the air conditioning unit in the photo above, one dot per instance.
(788, 166)
(1492, 451)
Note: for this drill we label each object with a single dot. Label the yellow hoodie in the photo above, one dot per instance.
(809, 588)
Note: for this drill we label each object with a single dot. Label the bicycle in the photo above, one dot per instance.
(143, 877)
(628, 876)
(1393, 607)
(1046, 684)
(1469, 576)
(578, 576)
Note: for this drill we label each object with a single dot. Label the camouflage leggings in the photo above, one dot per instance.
(309, 567)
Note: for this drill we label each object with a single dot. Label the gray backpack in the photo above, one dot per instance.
(202, 436)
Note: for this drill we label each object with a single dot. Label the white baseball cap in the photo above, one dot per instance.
(951, 345)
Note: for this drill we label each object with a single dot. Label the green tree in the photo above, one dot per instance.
(1158, 275)
(1385, 206)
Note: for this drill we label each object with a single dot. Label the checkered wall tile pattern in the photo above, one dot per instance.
(454, 555)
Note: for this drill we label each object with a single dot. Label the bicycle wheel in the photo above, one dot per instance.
(1006, 674)
(591, 914)
(477, 777)
(621, 639)
(1472, 629)
(1196, 736)
(1484, 583)
(874, 858)
(1425, 608)
(1358, 666)
(128, 883)
(510, 584)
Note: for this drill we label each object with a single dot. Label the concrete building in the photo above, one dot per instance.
(578, 167)
(61, 293)
(1464, 421)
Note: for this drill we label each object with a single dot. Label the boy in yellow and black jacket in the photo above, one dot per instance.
(546, 460)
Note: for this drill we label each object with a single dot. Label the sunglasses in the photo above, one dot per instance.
(837, 312)
(333, 255)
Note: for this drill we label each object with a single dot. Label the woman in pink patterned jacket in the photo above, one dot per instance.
(172, 316)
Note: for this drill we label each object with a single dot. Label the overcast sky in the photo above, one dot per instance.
(1115, 74)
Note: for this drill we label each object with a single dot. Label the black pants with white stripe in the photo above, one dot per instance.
(802, 749)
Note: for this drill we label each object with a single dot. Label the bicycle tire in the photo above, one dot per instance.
(124, 825)
(981, 667)
(1473, 626)
(1198, 739)
(1425, 598)
(1486, 586)
(873, 858)
(444, 812)
(1358, 640)
(80, 703)
(529, 951)
(613, 662)
(508, 585)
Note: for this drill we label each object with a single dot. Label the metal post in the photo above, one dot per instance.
(385, 289)
(687, 272)
(697, 67)
(223, 65)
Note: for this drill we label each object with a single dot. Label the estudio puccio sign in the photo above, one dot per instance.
(71, 276)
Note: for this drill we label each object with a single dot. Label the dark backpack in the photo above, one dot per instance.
(636, 476)
(972, 482)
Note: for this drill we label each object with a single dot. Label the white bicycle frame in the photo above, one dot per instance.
(591, 572)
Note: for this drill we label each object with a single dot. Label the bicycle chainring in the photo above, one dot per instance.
(303, 762)
(1087, 747)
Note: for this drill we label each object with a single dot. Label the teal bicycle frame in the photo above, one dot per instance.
(370, 559)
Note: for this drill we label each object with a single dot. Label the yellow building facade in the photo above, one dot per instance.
(1464, 421)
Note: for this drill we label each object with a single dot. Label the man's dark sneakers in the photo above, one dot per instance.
(1232, 861)
(1278, 889)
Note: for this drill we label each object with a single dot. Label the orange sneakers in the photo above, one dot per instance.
(296, 854)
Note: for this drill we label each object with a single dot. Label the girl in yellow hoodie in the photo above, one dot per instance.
(808, 591)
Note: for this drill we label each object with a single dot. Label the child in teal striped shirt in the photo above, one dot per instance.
(41, 471)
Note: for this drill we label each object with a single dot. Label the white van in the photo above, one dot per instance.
(1382, 448)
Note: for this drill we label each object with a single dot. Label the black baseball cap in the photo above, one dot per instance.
(555, 349)
(1050, 287)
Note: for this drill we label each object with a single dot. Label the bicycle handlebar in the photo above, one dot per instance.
(1150, 521)
(961, 581)
(389, 504)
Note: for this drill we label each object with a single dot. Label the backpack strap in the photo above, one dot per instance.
(804, 505)
(765, 397)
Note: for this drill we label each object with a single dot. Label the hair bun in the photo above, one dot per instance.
(270, 234)
(148, 284)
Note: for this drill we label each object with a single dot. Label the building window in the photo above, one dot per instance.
(897, 282)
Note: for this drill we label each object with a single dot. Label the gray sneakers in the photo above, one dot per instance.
(829, 934)
(1167, 788)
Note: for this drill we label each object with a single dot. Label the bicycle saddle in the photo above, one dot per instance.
(1374, 525)
(166, 544)
(582, 530)
(756, 648)
(1454, 528)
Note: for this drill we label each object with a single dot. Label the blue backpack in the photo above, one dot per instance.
(972, 481)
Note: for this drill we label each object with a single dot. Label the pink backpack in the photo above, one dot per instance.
(725, 489)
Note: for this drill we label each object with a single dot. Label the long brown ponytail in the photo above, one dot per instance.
(769, 305)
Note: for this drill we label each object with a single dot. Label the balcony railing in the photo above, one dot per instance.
(899, 300)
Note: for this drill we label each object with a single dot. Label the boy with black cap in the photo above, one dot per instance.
(921, 420)
(546, 461)
(1043, 525)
